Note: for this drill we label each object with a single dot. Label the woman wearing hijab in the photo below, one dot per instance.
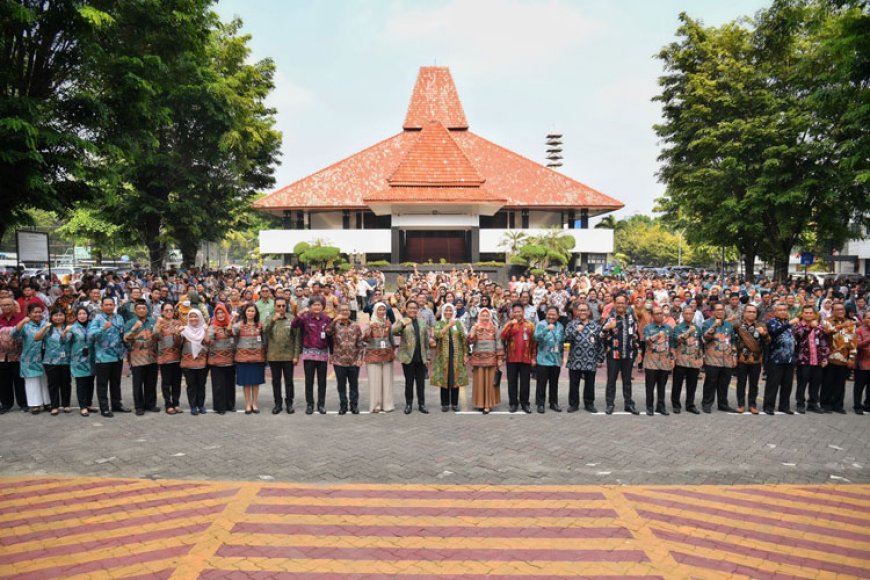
(30, 331)
(81, 363)
(168, 338)
(250, 356)
(379, 358)
(221, 352)
(486, 358)
(55, 359)
(448, 369)
(194, 357)
(191, 301)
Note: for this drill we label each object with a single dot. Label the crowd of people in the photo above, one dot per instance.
(446, 328)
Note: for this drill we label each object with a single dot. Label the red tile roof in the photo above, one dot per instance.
(435, 98)
(435, 164)
(423, 195)
(435, 159)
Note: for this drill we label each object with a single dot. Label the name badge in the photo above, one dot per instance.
(322, 335)
(63, 354)
(383, 344)
(259, 338)
(525, 336)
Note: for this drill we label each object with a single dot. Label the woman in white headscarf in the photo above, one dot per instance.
(379, 360)
(194, 357)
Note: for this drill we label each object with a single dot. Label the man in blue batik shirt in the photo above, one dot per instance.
(107, 332)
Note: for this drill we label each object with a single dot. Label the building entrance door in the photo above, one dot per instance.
(451, 246)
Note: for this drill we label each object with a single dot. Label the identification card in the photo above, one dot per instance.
(383, 344)
(259, 338)
(322, 335)
(526, 336)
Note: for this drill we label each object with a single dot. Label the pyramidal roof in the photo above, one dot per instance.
(435, 160)
(435, 99)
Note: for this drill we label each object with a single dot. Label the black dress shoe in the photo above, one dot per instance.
(4, 410)
(707, 410)
(573, 408)
(423, 409)
(408, 409)
(527, 409)
(154, 410)
(321, 409)
(455, 408)
(221, 412)
(609, 409)
(194, 411)
(816, 409)
(632, 409)
(445, 408)
(591, 409)
(859, 411)
(787, 411)
(556, 407)
(840, 411)
(122, 409)
(727, 409)
(107, 414)
(650, 412)
(540, 408)
(676, 410)
(513, 408)
(661, 410)
(342, 410)
(354, 409)
(140, 412)
(277, 409)
(693, 410)
(801, 409)
(309, 409)
(769, 411)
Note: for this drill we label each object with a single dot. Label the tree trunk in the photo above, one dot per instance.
(156, 248)
(780, 267)
(749, 266)
(188, 253)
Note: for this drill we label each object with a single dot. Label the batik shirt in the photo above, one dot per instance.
(143, 349)
(81, 354)
(844, 342)
(31, 350)
(812, 344)
(658, 347)
(720, 349)
(347, 343)
(56, 347)
(587, 348)
(549, 343)
(621, 341)
(686, 341)
(108, 343)
(782, 343)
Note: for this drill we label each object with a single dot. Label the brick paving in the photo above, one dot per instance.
(134, 528)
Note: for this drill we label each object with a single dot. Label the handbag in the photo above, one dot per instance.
(497, 379)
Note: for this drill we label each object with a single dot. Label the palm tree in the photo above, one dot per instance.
(512, 240)
(607, 222)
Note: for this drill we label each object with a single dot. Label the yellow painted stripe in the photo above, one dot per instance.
(518, 505)
(431, 521)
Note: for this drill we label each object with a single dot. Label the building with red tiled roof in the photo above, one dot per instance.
(434, 191)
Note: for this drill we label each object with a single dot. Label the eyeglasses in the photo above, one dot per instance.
(280, 306)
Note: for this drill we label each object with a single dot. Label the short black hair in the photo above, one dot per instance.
(107, 298)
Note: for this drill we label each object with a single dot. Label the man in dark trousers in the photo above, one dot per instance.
(620, 337)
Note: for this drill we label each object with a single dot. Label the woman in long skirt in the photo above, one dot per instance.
(487, 356)
(451, 351)
(379, 360)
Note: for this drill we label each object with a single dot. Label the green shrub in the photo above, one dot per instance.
(490, 264)
(409, 264)
(378, 264)
(537, 271)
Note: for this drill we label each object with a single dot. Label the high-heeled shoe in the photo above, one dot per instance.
(248, 411)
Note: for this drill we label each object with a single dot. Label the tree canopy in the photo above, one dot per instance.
(764, 128)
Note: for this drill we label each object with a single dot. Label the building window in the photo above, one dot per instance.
(497, 221)
(287, 220)
(584, 219)
(525, 219)
(376, 222)
(345, 219)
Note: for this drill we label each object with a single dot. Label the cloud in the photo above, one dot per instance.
(289, 97)
(493, 35)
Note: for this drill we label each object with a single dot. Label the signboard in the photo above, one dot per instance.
(807, 259)
(32, 246)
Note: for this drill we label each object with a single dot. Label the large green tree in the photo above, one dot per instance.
(47, 113)
(189, 133)
(762, 128)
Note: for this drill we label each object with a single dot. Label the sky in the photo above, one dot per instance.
(523, 68)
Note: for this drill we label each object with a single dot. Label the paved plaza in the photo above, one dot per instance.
(113, 528)
(442, 495)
